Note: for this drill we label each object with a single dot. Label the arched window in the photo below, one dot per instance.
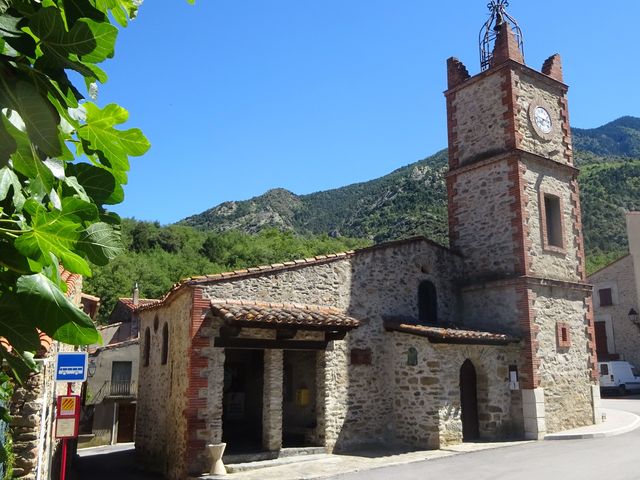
(165, 344)
(412, 357)
(427, 303)
(147, 347)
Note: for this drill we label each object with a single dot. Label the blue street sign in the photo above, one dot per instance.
(71, 366)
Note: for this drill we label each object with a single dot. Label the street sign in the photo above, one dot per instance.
(71, 366)
(67, 416)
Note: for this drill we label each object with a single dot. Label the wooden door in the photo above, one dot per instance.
(601, 341)
(469, 402)
(126, 422)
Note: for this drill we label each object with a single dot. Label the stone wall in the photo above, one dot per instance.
(492, 307)
(622, 335)
(564, 372)
(477, 119)
(559, 265)
(481, 209)
(375, 283)
(427, 408)
(531, 88)
(161, 435)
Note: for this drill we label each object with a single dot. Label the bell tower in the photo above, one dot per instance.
(514, 215)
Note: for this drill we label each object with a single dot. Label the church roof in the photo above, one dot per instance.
(279, 267)
(450, 335)
(265, 315)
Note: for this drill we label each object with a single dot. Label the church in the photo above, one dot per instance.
(406, 343)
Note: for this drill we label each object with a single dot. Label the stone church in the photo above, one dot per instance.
(406, 343)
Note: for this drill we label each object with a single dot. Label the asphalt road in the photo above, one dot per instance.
(109, 463)
(611, 458)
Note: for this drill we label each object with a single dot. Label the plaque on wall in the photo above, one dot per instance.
(360, 356)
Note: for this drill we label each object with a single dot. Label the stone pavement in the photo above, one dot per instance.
(324, 465)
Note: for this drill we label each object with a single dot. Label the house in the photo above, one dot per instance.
(616, 301)
(110, 394)
(406, 343)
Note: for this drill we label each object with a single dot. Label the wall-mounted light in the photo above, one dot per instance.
(633, 316)
(91, 371)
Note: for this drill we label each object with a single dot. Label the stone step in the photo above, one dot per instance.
(276, 462)
(261, 456)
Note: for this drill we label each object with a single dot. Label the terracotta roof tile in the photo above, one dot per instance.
(276, 267)
(450, 335)
(142, 302)
(282, 314)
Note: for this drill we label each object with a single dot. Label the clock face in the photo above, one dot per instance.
(542, 119)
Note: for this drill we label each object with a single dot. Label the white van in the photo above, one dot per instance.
(618, 377)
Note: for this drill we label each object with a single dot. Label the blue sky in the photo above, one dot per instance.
(240, 96)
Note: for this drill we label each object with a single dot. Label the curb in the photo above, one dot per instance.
(635, 423)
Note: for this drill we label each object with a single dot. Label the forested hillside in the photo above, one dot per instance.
(412, 199)
(157, 256)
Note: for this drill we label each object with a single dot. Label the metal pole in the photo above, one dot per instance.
(63, 468)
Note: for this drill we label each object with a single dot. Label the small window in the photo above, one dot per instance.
(553, 221)
(606, 299)
(156, 323)
(563, 334)
(604, 369)
(147, 347)
(427, 303)
(120, 378)
(165, 344)
(412, 357)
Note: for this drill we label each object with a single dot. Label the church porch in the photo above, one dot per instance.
(265, 377)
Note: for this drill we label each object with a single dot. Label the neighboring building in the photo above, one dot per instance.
(616, 298)
(37, 452)
(111, 390)
(406, 343)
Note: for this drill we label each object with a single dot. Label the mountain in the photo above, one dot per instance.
(412, 199)
(620, 138)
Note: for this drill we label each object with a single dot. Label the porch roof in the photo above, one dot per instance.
(273, 315)
(450, 335)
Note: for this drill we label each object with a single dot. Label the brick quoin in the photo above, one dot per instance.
(197, 364)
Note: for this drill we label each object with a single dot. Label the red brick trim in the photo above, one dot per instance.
(529, 375)
(544, 231)
(520, 220)
(563, 335)
(553, 67)
(591, 339)
(452, 133)
(510, 64)
(198, 362)
(566, 129)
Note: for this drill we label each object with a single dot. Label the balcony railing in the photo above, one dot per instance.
(122, 389)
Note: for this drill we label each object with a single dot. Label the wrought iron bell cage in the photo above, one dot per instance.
(491, 28)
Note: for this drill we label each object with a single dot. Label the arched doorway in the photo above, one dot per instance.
(469, 402)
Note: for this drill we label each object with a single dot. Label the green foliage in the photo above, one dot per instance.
(157, 257)
(52, 203)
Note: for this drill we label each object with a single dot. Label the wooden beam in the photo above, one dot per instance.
(229, 331)
(286, 333)
(260, 344)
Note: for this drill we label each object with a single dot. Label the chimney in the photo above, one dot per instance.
(136, 295)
